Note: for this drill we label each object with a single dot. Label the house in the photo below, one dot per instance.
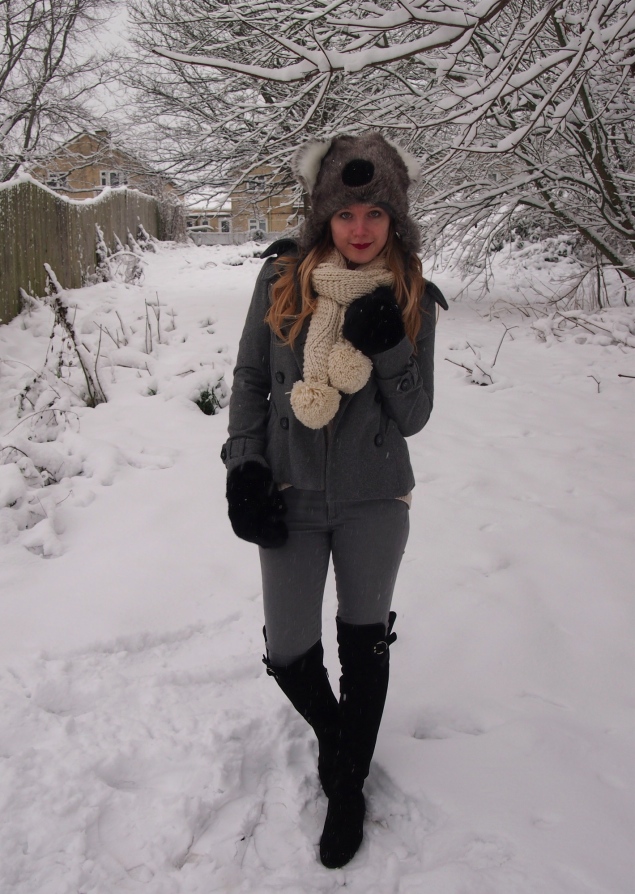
(89, 162)
(256, 207)
(202, 217)
(253, 210)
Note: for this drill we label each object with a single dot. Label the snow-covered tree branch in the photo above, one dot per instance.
(47, 70)
(513, 103)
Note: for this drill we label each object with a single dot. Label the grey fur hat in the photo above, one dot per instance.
(346, 170)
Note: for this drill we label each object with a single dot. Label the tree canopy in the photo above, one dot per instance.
(508, 103)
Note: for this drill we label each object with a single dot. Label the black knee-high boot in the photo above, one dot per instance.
(364, 652)
(306, 684)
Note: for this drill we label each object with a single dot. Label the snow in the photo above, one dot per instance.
(143, 747)
(104, 194)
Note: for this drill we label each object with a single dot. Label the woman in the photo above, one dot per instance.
(334, 370)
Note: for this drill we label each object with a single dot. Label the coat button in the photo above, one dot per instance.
(379, 440)
(404, 385)
(284, 423)
(280, 377)
(223, 454)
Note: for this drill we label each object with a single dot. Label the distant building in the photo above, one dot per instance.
(253, 210)
(211, 219)
(88, 163)
(258, 209)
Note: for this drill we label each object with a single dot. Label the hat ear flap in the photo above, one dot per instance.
(413, 165)
(307, 160)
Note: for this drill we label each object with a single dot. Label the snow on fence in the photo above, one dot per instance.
(38, 226)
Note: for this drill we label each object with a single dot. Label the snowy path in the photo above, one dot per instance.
(142, 746)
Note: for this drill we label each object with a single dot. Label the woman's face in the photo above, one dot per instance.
(360, 232)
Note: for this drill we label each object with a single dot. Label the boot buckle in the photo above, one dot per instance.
(380, 648)
(270, 671)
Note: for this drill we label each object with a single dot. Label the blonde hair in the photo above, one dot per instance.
(285, 317)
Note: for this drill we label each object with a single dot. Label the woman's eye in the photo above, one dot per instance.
(375, 213)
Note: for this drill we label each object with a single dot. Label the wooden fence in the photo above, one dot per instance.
(38, 226)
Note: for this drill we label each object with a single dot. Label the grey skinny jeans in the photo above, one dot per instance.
(367, 540)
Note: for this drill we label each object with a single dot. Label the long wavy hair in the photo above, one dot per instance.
(287, 314)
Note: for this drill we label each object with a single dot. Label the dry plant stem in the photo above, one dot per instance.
(11, 360)
(39, 413)
(578, 323)
(157, 313)
(572, 316)
(148, 332)
(95, 394)
(595, 380)
(99, 385)
(476, 366)
(507, 329)
(625, 376)
(111, 337)
(17, 449)
(42, 507)
(462, 365)
(29, 300)
(124, 334)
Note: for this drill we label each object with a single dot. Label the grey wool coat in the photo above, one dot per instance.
(364, 456)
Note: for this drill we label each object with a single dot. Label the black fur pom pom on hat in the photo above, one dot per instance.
(346, 170)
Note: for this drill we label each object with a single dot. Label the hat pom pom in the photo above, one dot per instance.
(314, 404)
(349, 369)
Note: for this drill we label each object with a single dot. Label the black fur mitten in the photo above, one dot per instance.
(373, 323)
(256, 506)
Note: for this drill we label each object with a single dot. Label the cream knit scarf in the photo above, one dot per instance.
(331, 364)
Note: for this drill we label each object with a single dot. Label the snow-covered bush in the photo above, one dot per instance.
(212, 398)
(123, 265)
(79, 347)
(612, 326)
(144, 240)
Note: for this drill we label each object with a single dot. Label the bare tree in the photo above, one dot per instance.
(47, 72)
(510, 103)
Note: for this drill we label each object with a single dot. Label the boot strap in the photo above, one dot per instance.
(270, 668)
(383, 645)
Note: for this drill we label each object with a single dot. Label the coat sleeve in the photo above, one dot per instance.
(405, 377)
(249, 401)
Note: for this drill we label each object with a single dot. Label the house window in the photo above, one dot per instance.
(113, 178)
(255, 184)
(256, 225)
(225, 226)
(57, 180)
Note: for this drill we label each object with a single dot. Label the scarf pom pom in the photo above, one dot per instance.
(314, 404)
(349, 369)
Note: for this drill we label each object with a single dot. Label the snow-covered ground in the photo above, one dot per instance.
(142, 746)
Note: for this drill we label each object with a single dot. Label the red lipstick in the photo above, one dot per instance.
(362, 247)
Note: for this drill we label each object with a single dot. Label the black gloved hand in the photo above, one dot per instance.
(373, 323)
(256, 506)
